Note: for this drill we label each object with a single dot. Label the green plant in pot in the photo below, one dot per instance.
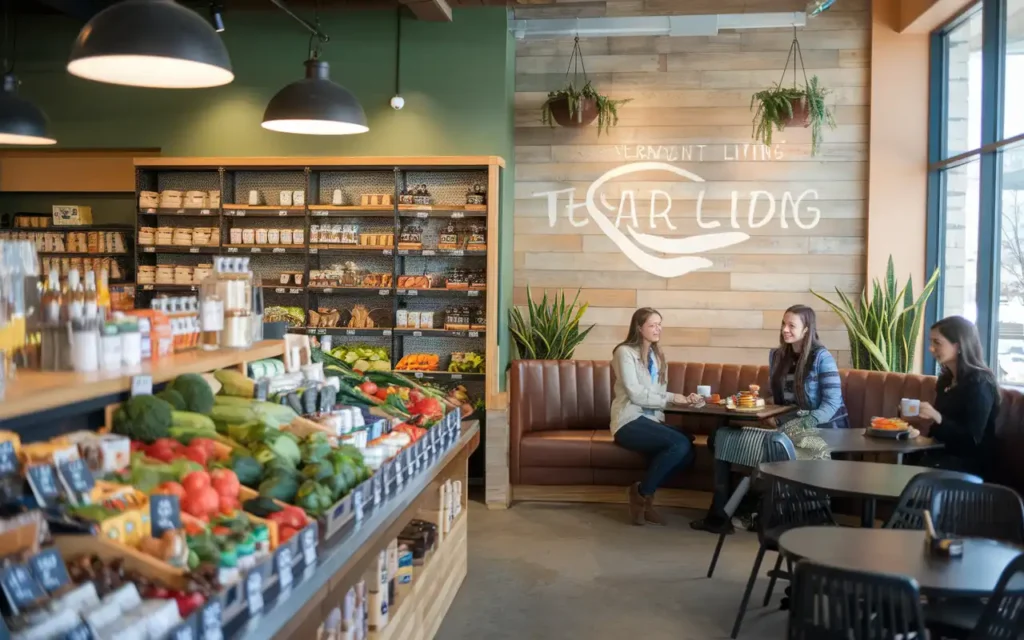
(550, 330)
(780, 107)
(884, 328)
(578, 103)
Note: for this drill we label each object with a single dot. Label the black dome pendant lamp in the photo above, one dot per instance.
(314, 105)
(150, 43)
(21, 122)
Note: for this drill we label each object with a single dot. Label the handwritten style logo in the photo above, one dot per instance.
(637, 245)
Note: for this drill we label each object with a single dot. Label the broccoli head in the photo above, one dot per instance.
(144, 418)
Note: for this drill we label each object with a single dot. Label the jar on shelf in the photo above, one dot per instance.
(457, 278)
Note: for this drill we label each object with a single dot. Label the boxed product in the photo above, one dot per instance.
(71, 214)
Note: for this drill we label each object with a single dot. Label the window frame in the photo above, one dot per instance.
(993, 55)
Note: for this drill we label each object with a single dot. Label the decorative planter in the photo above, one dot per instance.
(587, 112)
(801, 115)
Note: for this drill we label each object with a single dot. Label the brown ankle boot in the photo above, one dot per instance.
(650, 515)
(636, 505)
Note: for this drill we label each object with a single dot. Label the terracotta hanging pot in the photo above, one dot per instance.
(586, 114)
(801, 114)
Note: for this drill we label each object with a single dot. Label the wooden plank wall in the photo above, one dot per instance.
(690, 107)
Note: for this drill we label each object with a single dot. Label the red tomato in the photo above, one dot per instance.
(382, 394)
(195, 481)
(225, 482)
(369, 388)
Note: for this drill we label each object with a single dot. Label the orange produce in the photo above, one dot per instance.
(889, 424)
(419, 362)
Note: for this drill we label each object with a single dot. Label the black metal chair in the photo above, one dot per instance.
(917, 498)
(746, 447)
(784, 506)
(830, 603)
(1003, 616)
(962, 508)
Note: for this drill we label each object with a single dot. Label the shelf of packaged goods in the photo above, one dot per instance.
(469, 208)
(455, 214)
(33, 391)
(340, 331)
(263, 248)
(77, 227)
(441, 376)
(279, 289)
(181, 211)
(237, 211)
(363, 291)
(443, 253)
(344, 208)
(320, 211)
(343, 560)
(78, 254)
(440, 333)
(350, 248)
(456, 293)
(172, 249)
(168, 287)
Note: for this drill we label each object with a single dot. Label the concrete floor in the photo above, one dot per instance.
(545, 571)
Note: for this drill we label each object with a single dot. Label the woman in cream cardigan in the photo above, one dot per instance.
(640, 393)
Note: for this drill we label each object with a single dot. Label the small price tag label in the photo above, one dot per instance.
(457, 252)
(350, 332)
(474, 334)
(20, 587)
(164, 514)
(81, 632)
(148, 249)
(295, 290)
(417, 334)
(387, 252)
(318, 214)
(283, 565)
(42, 480)
(254, 592)
(211, 622)
(384, 292)
(429, 252)
(205, 212)
(279, 250)
(48, 569)
(399, 471)
(8, 458)
(147, 287)
(473, 294)
(256, 250)
(240, 213)
(456, 376)
(419, 374)
(386, 332)
(232, 249)
(279, 290)
(193, 249)
(282, 213)
(413, 292)
(142, 385)
(309, 546)
(314, 250)
(458, 214)
(320, 332)
(422, 214)
(357, 504)
(377, 494)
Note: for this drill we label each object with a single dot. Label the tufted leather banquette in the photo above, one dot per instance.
(560, 412)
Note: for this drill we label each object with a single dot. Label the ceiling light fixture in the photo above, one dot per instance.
(21, 122)
(397, 101)
(217, 17)
(150, 43)
(314, 105)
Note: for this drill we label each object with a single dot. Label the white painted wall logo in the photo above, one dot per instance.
(636, 244)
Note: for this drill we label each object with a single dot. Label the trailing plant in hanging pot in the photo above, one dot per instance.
(578, 104)
(780, 106)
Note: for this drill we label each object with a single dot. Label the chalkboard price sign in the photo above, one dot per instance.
(283, 565)
(164, 514)
(20, 587)
(211, 622)
(8, 458)
(76, 477)
(43, 481)
(309, 545)
(254, 592)
(48, 569)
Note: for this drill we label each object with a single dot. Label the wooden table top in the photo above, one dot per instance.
(902, 552)
(846, 477)
(719, 410)
(855, 441)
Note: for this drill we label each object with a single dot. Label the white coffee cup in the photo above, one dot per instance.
(910, 407)
(254, 197)
(704, 390)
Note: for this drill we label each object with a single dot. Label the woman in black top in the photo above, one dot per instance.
(963, 417)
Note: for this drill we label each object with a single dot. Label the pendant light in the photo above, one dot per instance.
(314, 105)
(150, 43)
(21, 122)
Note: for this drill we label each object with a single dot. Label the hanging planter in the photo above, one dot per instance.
(578, 104)
(780, 106)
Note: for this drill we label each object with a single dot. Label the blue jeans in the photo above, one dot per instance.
(668, 449)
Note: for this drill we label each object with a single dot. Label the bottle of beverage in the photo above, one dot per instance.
(211, 308)
(90, 307)
(103, 295)
(52, 300)
(75, 298)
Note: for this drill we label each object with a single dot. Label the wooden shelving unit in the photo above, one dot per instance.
(447, 179)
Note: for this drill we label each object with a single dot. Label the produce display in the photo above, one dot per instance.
(294, 316)
(468, 362)
(419, 362)
(363, 358)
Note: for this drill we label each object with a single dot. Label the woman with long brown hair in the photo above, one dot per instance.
(966, 400)
(803, 374)
(639, 395)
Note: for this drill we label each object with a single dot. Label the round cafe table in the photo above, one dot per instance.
(902, 552)
(855, 441)
(866, 480)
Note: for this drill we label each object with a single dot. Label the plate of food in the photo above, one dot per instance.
(888, 428)
(746, 401)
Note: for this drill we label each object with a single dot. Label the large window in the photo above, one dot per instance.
(976, 185)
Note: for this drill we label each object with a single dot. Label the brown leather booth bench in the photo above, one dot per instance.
(560, 445)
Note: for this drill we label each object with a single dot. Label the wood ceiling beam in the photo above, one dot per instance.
(430, 10)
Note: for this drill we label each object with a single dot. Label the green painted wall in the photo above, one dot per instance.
(457, 80)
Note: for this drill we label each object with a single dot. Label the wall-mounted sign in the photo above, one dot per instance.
(654, 204)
